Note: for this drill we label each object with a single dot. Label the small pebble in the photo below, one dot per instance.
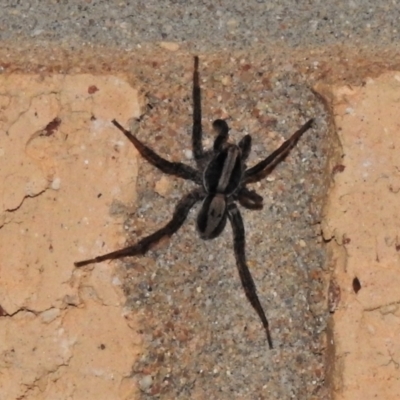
(171, 46)
(56, 183)
(188, 154)
(145, 383)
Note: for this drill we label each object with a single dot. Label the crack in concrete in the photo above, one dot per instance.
(381, 307)
(11, 210)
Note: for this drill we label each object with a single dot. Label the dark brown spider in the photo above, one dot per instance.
(222, 175)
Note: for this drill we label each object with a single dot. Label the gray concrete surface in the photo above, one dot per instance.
(208, 25)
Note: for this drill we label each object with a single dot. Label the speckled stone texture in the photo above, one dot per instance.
(202, 338)
(208, 25)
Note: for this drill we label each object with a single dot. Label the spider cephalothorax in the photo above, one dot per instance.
(222, 176)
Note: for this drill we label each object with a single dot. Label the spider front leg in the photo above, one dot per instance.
(197, 131)
(222, 129)
(172, 168)
(239, 244)
(249, 199)
(245, 147)
(257, 172)
(140, 248)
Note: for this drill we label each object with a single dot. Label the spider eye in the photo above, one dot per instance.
(212, 216)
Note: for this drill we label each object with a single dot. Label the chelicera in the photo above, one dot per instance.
(222, 178)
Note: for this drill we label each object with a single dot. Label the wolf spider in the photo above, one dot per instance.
(222, 176)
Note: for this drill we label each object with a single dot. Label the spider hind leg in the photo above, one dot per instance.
(140, 248)
(248, 284)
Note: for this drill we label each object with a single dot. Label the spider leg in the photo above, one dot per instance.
(172, 168)
(197, 143)
(250, 199)
(222, 129)
(245, 146)
(140, 248)
(244, 273)
(253, 174)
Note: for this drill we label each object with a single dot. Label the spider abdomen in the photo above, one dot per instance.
(224, 172)
(212, 216)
